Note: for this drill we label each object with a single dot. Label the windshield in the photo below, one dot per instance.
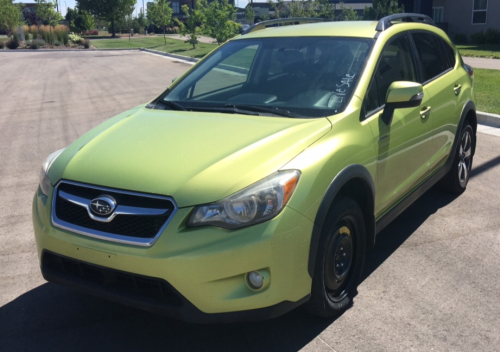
(293, 77)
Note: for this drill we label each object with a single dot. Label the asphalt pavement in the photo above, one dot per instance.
(431, 283)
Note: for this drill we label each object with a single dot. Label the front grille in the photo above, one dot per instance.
(76, 217)
(110, 280)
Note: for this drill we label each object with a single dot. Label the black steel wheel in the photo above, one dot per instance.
(340, 259)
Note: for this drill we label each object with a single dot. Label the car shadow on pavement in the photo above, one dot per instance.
(54, 318)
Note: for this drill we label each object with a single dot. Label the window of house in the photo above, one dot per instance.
(175, 7)
(437, 14)
(479, 11)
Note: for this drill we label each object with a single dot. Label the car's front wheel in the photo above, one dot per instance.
(457, 178)
(340, 258)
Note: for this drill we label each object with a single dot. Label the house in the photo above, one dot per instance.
(357, 5)
(262, 9)
(177, 6)
(417, 6)
(466, 16)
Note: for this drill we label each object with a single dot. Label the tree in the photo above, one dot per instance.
(9, 16)
(348, 14)
(160, 14)
(141, 19)
(277, 6)
(382, 8)
(71, 17)
(249, 15)
(324, 9)
(190, 27)
(46, 10)
(219, 20)
(304, 8)
(87, 20)
(108, 10)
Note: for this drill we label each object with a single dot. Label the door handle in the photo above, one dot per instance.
(425, 110)
(457, 88)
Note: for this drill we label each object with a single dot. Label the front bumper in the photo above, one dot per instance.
(150, 294)
(204, 267)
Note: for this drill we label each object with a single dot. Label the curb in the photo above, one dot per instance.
(64, 50)
(175, 56)
(485, 118)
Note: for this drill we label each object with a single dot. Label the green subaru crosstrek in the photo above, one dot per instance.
(258, 180)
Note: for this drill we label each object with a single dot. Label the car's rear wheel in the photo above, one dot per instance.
(340, 258)
(456, 180)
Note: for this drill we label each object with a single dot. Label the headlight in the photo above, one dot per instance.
(256, 203)
(44, 179)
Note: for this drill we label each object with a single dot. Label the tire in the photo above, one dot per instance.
(339, 261)
(455, 181)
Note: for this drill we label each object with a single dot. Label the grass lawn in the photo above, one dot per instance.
(483, 50)
(173, 46)
(486, 84)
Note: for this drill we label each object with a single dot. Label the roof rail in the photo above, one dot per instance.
(280, 22)
(386, 22)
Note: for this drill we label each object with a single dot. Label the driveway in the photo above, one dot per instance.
(431, 283)
(477, 62)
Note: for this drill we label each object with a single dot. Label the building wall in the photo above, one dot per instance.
(458, 16)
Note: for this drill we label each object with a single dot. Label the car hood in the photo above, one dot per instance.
(194, 157)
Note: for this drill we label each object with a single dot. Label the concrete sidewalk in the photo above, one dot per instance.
(201, 39)
(477, 62)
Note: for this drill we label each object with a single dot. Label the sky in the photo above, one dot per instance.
(64, 4)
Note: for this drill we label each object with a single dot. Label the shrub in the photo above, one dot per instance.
(86, 43)
(1, 44)
(57, 43)
(94, 32)
(65, 38)
(460, 39)
(33, 44)
(492, 36)
(478, 38)
(13, 43)
(40, 42)
(75, 38)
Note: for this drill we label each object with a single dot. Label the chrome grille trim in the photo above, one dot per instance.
(124, 210)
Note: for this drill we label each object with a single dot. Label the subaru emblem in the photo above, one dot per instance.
(103, 206)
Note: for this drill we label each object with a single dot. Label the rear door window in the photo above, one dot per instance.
(434, 61)
(449, 51)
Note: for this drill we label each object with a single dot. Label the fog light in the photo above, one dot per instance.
(255, 279)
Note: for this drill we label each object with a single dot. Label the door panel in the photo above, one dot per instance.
(442, 84)
(404, 146)
(403, 154)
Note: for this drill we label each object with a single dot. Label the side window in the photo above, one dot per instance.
(395, 64)
(450, 53)
(433, 61)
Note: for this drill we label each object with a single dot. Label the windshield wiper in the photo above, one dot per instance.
(173, 105)
(228, 109)
(271, 110)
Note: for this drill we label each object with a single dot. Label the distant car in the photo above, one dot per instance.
(258, 180)
(244, 27)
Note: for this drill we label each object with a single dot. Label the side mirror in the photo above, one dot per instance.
(401, 95)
